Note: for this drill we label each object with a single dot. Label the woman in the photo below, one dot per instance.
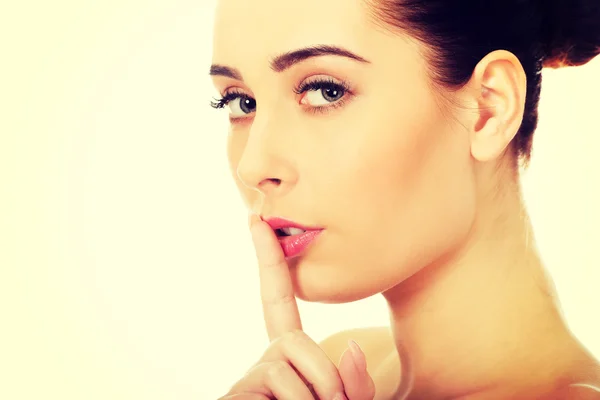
(390, 132)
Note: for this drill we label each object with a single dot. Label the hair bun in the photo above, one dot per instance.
(569, 32)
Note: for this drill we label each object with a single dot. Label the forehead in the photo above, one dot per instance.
(263, 28)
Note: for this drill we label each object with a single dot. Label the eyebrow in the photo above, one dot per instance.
(286, 60)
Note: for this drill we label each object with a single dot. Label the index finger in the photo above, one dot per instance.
(276, 290)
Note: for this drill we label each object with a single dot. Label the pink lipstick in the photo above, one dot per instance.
(294, 238)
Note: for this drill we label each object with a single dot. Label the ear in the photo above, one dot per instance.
(499, 85)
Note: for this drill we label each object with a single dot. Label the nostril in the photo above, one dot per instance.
(270, 184)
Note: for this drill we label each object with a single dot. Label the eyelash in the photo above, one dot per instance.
(228, 97)
(314, 85)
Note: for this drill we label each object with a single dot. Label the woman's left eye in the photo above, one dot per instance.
(322, 97)
(322, 93)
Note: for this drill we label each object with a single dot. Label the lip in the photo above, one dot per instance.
(293, 246)
(278, 223)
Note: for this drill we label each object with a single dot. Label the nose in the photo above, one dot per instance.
(265, 164)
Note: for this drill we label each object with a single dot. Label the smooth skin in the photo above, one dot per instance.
(419, 196)
(294, 367)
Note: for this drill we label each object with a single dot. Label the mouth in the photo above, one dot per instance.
(293, 237)
(283, 227)
(295, 241)
(285, 232)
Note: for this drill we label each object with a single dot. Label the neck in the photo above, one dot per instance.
(481, 316)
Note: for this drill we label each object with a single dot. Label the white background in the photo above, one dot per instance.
(126, 269)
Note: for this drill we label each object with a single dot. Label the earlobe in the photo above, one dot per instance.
(500, 86)
(489, 142)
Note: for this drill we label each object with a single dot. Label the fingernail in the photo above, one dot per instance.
(357, 355)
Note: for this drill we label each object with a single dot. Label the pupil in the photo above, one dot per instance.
(247, 105)
(331, 94)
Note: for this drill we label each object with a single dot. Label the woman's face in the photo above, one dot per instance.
(379, 165)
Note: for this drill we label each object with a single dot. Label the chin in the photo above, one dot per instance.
(328, 283)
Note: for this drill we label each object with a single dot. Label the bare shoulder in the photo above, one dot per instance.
(579, 392)
(375, 342)
(585, 385)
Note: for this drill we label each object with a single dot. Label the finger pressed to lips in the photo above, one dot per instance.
(280, 308)
(291, 349)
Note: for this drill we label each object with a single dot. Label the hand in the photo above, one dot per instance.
(294, 367)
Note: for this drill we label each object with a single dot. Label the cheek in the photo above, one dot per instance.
(410, 195)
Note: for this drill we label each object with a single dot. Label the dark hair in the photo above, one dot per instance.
(457, 34)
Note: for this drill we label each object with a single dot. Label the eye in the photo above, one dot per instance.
(239, 104)
(322, 92)
(322, 97)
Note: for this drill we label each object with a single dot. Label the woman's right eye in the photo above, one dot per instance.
(239, 104)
